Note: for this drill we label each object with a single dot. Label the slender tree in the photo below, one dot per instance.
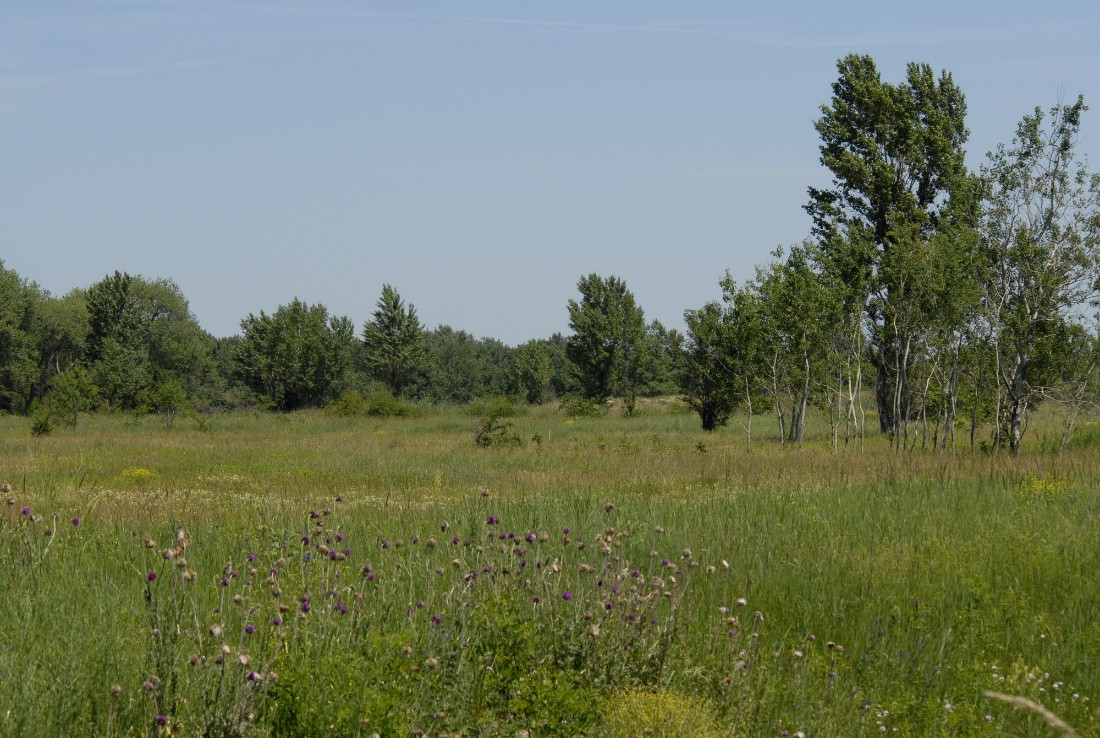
(1042, 228)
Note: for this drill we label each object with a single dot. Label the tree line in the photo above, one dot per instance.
(941, 300)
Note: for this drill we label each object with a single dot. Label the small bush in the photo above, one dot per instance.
(42, 422)
(490, 430)
(500, 407)
(575, 406)
(659, 713)
(379, 402)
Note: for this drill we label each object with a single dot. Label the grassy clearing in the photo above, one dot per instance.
(722, 592)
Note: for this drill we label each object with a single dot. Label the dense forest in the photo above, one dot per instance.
(943, 303)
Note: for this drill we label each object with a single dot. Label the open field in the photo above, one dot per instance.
(710, 591)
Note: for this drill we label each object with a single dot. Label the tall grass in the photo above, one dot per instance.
(779, 591)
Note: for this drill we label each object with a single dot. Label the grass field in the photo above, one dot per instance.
(312, 575)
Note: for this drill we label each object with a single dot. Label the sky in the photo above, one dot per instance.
(479, 156)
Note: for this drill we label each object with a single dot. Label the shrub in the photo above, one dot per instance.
(379, 402)
(490, 430)
(501, 407)
(575, 406)
(660, 713)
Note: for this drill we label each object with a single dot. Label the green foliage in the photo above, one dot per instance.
(490, 428)
(502, 406)
(296, 357)
(396, 349)
(900, 177)
(168, 399)
(378, 402)
(706, 379)
(18, 364)
(461, 367)
(532, 371)
(1042, 228)
(608, 330)
(74, 391)
(140, 329)
(575, 406)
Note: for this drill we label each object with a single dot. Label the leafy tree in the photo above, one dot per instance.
(706, 377)
(1042, 227)
(396, 350)
(60, 331)
(747, 344)
(72, 392)
(899, 177)
(460, 368)
(139, 332)
(532, 371)
(297, 357)
(18, 367)
(658, 371)
(608, 330)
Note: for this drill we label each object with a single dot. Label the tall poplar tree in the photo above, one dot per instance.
(899, 177)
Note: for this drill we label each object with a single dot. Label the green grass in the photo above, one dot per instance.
(880, 590)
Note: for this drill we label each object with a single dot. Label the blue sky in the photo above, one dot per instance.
(479, 156)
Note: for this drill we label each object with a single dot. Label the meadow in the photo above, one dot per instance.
(305, 574)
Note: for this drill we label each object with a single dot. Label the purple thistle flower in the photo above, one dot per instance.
(537, 599)
(385, 544)
(339, 537)
(26, 511)
(277, 621)
(339, 498)
(436, 619)
(341, 608)
(161, 720)
(304, 598)
(566, 530)
(608, 606)
(305, 540)
(250, 629)
(76, 521)
(530, 537)
(225, 581)
(454, 540)
(47, 532)
(492, 520)
(252, 557)
(253, 676)
(522, 563)
(152, 576)
(305, 607)
(614, 589)
(313, 515)
(347, 552)
(511, 534)
(599, 582)
(631, 617)
(567, 596)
